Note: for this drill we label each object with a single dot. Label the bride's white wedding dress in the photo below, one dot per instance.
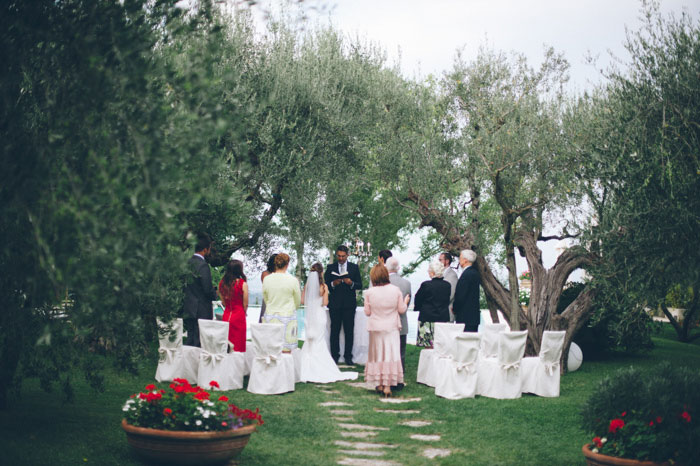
(317, 365)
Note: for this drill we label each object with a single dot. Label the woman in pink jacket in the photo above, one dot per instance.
(383, 304)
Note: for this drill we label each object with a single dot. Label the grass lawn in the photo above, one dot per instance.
(39, 430)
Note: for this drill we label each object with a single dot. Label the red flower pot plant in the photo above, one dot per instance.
(645, 415)
(187, 424)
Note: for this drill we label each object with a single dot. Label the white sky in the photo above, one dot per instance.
(426, 34)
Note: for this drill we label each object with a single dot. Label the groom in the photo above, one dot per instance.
(342, 278)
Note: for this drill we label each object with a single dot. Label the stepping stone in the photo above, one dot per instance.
(364, 462)
(334, 403)
(363, 452)
(360, 427)
(415, 423)
(425, 438)
(364, 385)
(358, 434)
(362, 445)
(342, 419)
(398, 411)
(343, 412)
(330, 392)
(345, 366)
(435, 453)
(398, 400)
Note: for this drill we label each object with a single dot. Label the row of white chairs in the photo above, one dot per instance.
(271, 371)
(490, 363)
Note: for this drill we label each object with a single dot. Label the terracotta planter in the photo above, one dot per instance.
(596, 459)
(525, 284)
(182, 447)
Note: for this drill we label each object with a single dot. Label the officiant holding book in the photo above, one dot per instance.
(343, 279)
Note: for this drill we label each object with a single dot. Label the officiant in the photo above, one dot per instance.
(343, 279)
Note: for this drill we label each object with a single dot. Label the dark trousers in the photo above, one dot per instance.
(345, 317)
(402, 343)
(192, 328)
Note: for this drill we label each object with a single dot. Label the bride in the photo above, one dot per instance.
(317, 365)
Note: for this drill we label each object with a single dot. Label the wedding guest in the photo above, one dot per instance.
(392, 265)
(432, 303)
(343, 279)
(450, 277)
(233, 290)
(383, 255)
(384, 303)
(270, 269)
(199, 291)
(466, 303)
(282, 293)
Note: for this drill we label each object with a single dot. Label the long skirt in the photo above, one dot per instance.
(384, 358)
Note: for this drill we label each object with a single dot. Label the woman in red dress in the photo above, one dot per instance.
(233, 290)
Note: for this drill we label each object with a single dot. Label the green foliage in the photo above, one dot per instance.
(680, 296)
(647, 414)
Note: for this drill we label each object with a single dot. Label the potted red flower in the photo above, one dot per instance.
(186, 424)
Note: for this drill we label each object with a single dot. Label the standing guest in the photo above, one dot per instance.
(466, 303)
(392, 265)
(270, 269)
(383, 255)
(199, 291)
(384, 303)
(342, 278)
(233, 290)
(282, 293)
(450, 277)
(432, 303)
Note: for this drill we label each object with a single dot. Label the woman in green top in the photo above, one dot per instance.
(282, 295)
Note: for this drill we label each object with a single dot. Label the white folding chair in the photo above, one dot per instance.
(458, 377)
(175, 360)
(489, 339)
(215, 362)
(272, 371)
(540, 374)
(427, 362)
(486, 318)
(500, 377)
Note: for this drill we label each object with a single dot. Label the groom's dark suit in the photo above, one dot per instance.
(341, 307)
(199, 293)
(466, 303)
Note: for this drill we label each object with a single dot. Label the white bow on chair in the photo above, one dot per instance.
(550, 367)
(269, 359)
(213, 358)
(466, 366)
(168, 354)
(514, 365)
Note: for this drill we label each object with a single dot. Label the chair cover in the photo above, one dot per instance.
(272, 371)
(489, 339)
(540, 374)
(170, 359)
(458, 377)
(427, 362)
(500, 377)
(215, 362)
(486, 319)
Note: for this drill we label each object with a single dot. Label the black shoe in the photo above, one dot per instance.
(397, 387)
(349, 362)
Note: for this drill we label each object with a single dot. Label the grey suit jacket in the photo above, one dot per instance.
(199, 291)
(450, 277)
(405, 287)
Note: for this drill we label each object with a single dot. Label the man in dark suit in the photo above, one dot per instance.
(199, 291)
(466, 302)
(343, 279)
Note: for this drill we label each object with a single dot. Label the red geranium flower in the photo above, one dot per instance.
(624, 413)
(615, 425)
(202, 396)
(150, 387)
(182, 381)
(223, 398)
(179, 388)
(659, 419)
(214, 383)
(598, 442)
(685, 416)
(651, 423)
(167, 411)
(223, 423)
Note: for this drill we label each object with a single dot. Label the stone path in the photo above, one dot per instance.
(365, 453)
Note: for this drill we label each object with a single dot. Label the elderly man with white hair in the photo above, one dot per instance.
(392, 265)
(432, 303)
(466, 302)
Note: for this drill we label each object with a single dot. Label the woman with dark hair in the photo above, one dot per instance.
(282, 295)
(384, 303)
(233, 290)
(270, 269)
(316, 363)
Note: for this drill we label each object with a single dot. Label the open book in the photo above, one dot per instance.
(343, 275)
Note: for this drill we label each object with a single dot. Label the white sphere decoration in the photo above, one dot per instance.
(575, 357)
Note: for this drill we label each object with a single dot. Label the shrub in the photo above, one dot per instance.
(646, 415)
